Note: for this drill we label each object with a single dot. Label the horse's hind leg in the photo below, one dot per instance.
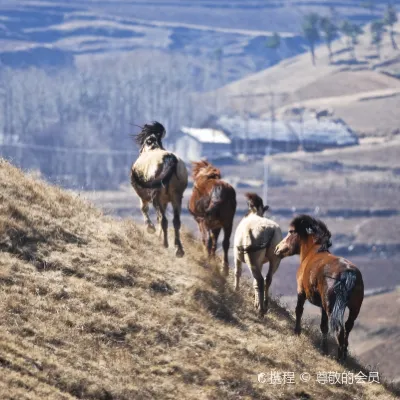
(238, 271)
(353, 314)
(301, 299)
(214, 234)
(340, 338)
(144, 208)
(273, 266)
(258, 284)
(225, 246)
(177, 206)
(324, 330)
(161, 208)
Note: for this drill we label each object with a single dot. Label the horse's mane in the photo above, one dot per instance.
(254, 200)
(206, 168)
(155, 128)
(305, 225)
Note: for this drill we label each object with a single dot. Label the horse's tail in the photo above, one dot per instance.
(342, 289)
(216, 201)
(170, 163)
(252, 248)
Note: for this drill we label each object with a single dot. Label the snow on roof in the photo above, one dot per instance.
(326, 131)
(206, 135)
(252, 128)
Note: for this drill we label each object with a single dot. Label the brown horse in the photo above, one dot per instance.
(160, 177)
(325, 280)
(213, 206)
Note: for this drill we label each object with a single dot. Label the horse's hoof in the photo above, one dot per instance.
(165, 245)
(297, 331)
(179, 253)
(151, 229)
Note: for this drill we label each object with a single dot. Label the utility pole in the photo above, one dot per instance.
(271, 134)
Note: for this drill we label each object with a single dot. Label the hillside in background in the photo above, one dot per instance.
(66, 35)
(94, 308)
(59, 33)
(364, 92)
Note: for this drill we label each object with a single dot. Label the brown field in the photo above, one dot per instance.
(93, 308)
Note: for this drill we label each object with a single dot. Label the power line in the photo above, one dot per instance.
(68, 149)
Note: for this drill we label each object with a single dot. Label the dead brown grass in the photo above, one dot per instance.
(93, 308)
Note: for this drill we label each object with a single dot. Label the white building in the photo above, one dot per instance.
(194, 144)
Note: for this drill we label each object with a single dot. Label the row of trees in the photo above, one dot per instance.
(315, 27)
(95, 106)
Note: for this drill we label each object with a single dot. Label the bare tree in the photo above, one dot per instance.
(390, 19)
(311, 32)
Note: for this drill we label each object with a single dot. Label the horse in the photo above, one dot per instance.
(255, 240)
(327, 281)
(160, 177)
(213, 206)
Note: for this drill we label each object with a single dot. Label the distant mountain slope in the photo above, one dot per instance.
(53, 33)
(356, 91)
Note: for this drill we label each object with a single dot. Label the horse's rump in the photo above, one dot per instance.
(212, 204)
(154, 170)
(258, 243)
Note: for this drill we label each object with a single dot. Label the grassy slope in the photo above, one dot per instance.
(93, 308)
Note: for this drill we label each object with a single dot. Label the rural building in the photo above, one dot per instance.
(193, 144)
(252, 136)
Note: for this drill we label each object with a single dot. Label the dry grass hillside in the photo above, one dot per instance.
(363, 92)
(376, 337)
(93, 308)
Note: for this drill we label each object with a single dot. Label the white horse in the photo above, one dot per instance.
(255, 240)
(160, 177)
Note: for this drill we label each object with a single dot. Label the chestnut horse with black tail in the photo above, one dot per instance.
(160, 177)
(330, 282)
(213, 206)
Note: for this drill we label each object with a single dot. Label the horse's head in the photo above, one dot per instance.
(150, 137)
(205, 169)
(301, 229)
(255, 204)
(290, 245)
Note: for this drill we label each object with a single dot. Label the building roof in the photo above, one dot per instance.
(207, 135)
(252, 128)
(326, 131)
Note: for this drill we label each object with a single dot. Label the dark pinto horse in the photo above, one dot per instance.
(213, 206)
(160, 177)
(330, 282)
